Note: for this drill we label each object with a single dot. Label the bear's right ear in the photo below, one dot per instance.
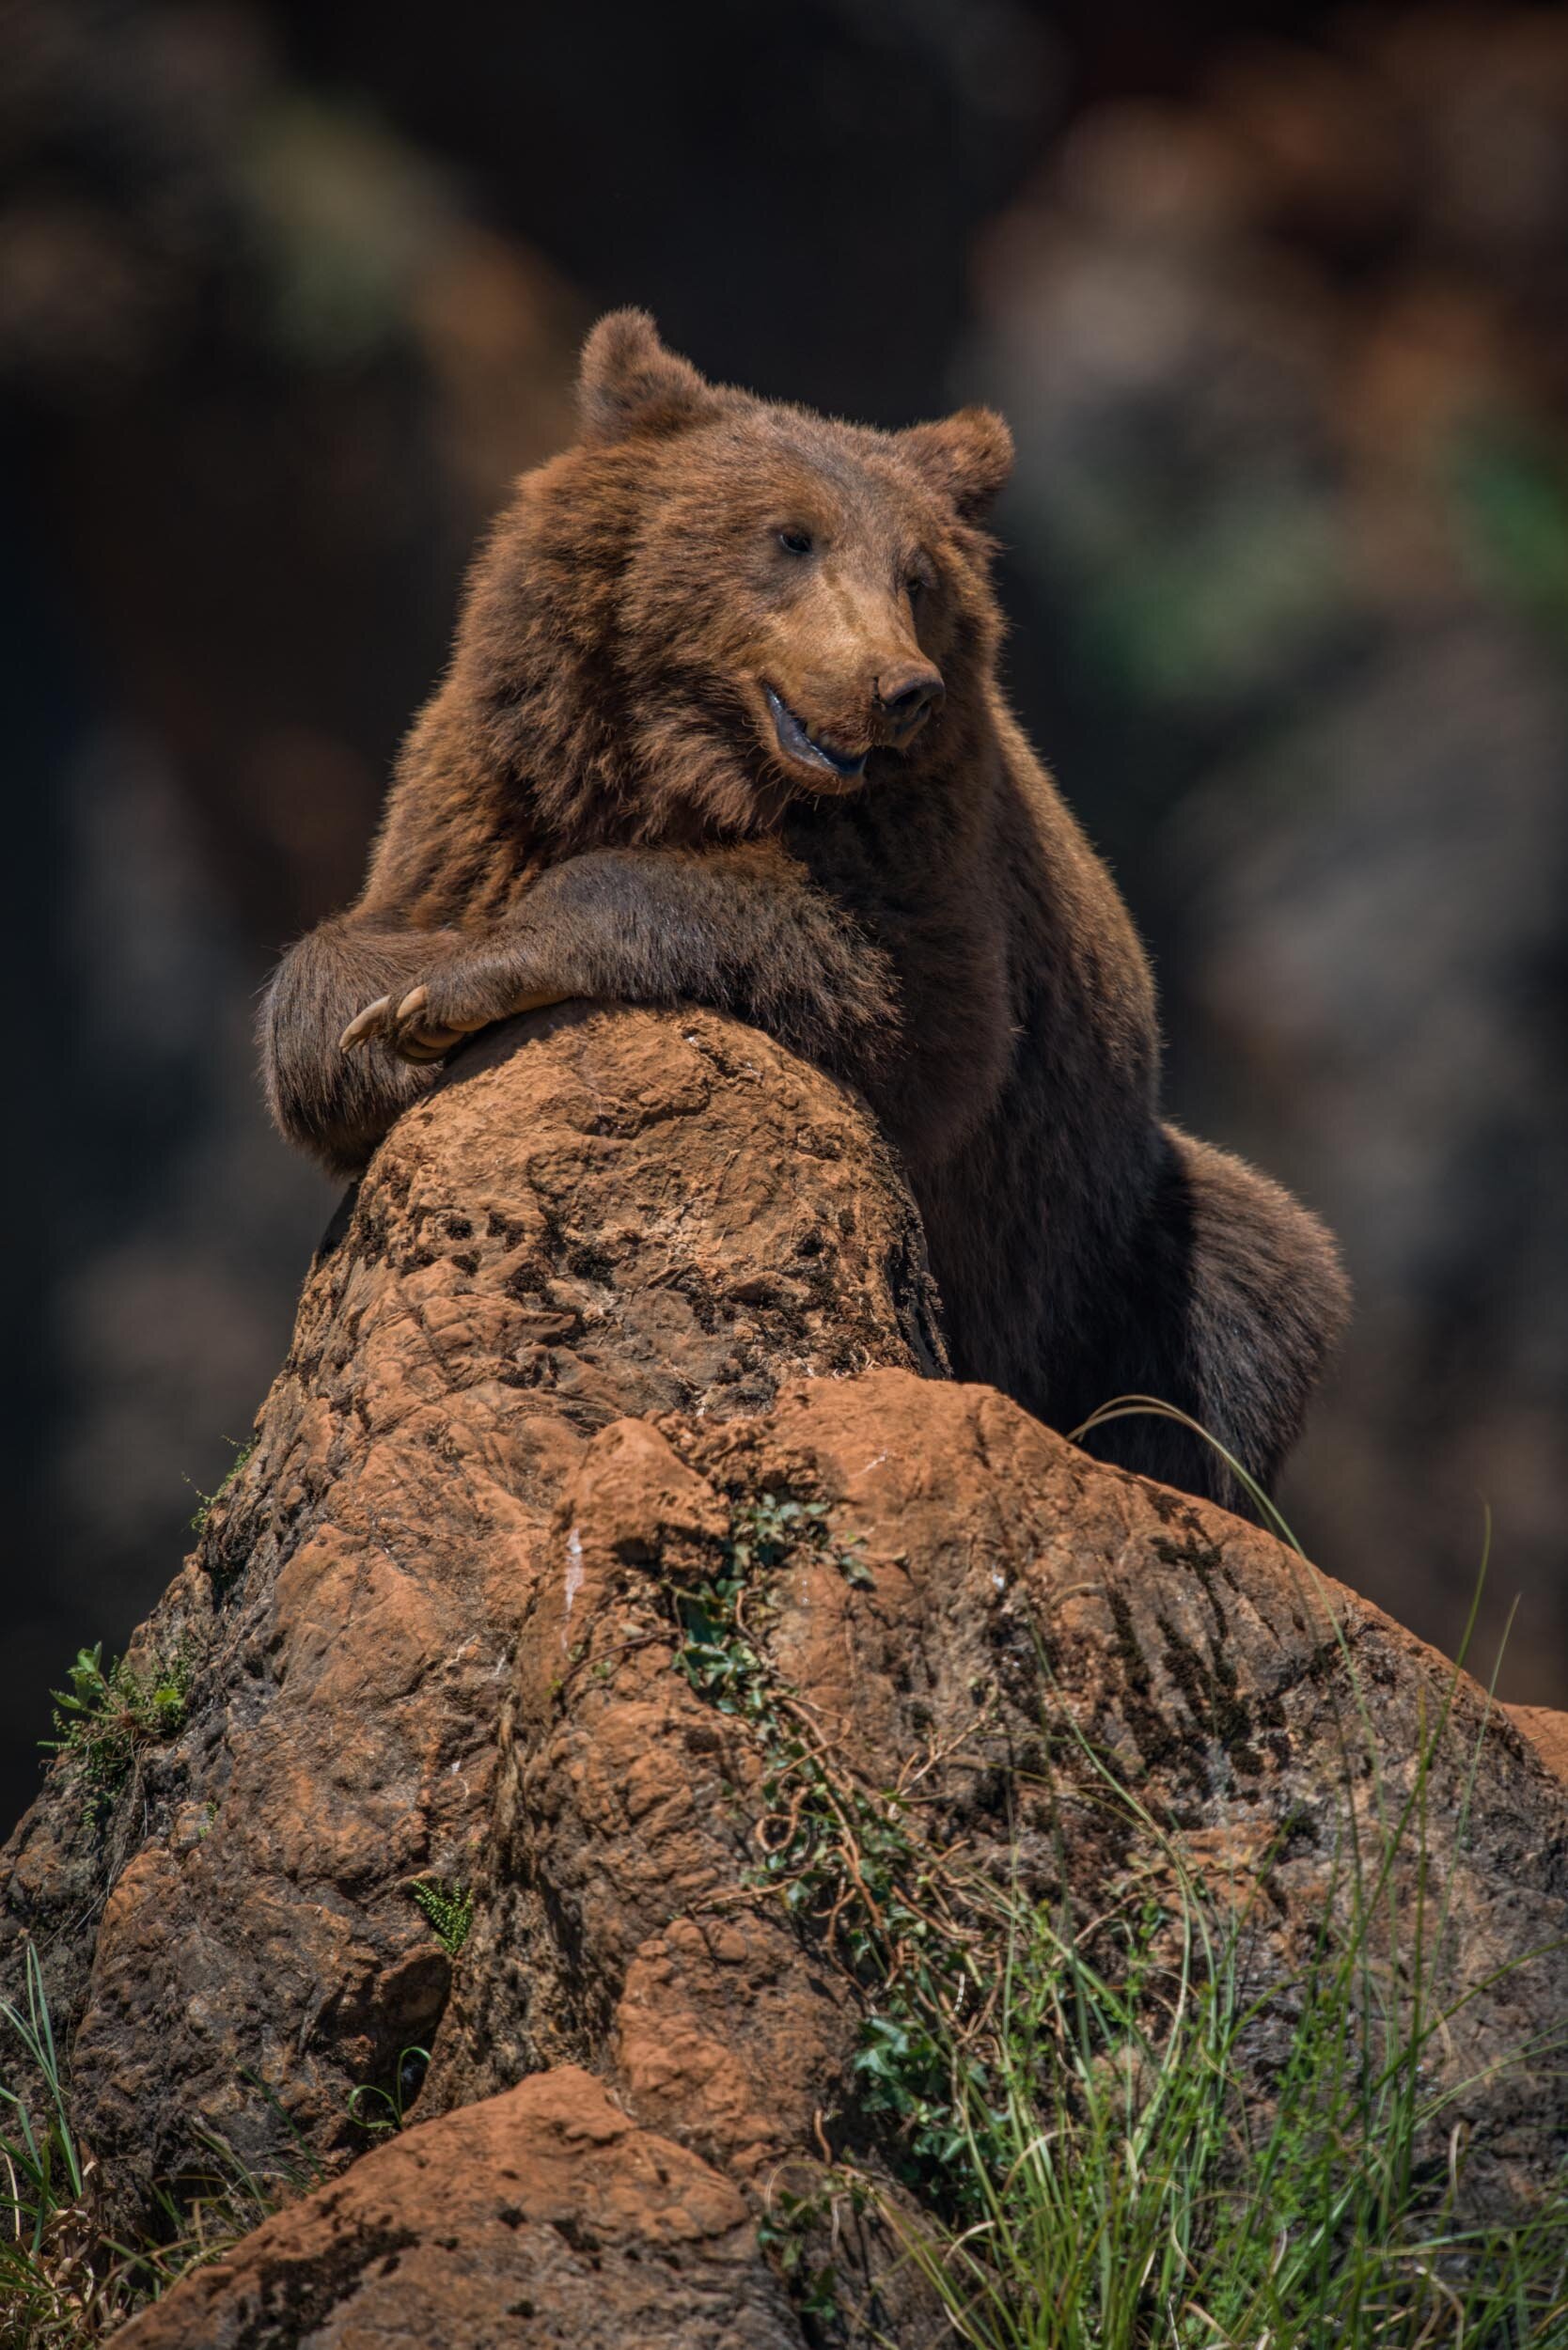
(629, 383)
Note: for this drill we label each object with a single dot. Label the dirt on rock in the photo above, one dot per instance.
(964, 1612)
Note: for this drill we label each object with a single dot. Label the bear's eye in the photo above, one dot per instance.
(914, 588)
(795, 541)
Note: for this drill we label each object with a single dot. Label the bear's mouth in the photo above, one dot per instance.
(806, 749)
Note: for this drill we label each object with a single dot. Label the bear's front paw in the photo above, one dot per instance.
(405, 1027)
(425, 1025)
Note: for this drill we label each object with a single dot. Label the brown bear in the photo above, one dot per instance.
(723, 725)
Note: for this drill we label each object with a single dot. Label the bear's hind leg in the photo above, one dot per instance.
(1236, 1303)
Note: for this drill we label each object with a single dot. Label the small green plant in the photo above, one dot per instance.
(108, 1716)
(849, 1863)
(788, 2232)
(716, 1655)
(383, 2111)
(450, 1909)
(206, 1502)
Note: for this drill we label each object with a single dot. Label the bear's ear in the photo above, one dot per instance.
(629, 383)
(968, 457)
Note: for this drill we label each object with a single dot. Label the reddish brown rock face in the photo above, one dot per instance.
(1020, 1596)
(1548, 1732)
(595, 1301)
(541, 2216)
(632, 1214)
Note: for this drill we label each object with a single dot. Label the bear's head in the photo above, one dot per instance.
(716, 604)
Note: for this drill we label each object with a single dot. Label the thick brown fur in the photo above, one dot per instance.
(641, 781)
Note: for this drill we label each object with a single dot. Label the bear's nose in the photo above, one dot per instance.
(908, 693)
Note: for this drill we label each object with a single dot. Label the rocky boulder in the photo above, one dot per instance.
(633, 1213)
(612, 1558)
(542, 2214)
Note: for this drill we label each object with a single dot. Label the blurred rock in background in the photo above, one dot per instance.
(1277, 305)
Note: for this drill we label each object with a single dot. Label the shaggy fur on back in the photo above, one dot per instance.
(723, 724)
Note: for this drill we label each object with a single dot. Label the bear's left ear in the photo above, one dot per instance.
(968, 457)
(629, 383)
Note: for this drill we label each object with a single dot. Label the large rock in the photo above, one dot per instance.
(630, 1214)
(1013, 1610)
(1018, 1620)
(601, 1504)
(540, 2215)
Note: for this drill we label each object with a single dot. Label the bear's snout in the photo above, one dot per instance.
(906, 695)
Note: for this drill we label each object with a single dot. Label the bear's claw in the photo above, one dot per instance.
(405, 1031)
(364, 1024)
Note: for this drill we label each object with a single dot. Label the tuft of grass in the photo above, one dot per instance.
(1124, 2131)
(64, 2283)
(1157, 2152)
(1125, 2180)
(383, 2111)
(109, 1714)
(450, 1909)
(205, 1503)
(40, 2161)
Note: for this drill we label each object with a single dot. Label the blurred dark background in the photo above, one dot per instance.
(1277, 300)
